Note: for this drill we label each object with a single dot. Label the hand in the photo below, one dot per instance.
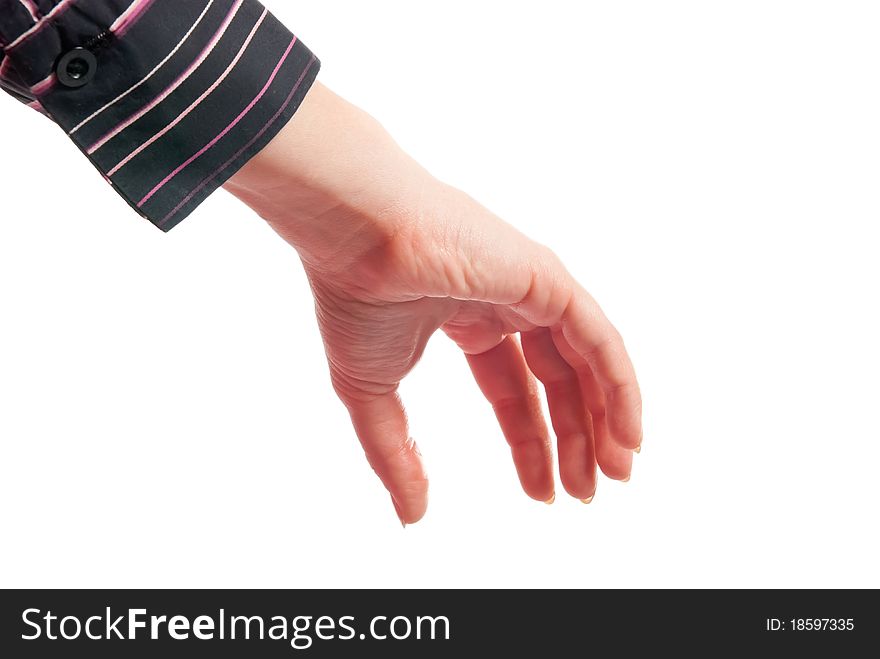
(392, 256)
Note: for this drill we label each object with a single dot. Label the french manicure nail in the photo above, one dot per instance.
(551, 499)
(588, 499)
(625, 480)
(637, 449)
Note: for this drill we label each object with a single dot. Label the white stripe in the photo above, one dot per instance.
(124, 15)
(195, 103)
(193, 67)
(149, 75)
(57, 8)
(32, 10)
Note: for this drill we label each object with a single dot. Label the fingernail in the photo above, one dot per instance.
(637, 449)
(551, 499)
(588, 499)
(625, 480)
(403, 524)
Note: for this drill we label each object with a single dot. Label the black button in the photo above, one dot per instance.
(76, 68)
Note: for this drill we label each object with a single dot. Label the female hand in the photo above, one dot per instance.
(392, 256)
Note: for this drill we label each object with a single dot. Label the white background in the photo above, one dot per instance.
(709, 170)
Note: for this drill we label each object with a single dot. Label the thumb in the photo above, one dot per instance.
(380, 423)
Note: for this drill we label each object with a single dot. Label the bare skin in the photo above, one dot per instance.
(393, 255)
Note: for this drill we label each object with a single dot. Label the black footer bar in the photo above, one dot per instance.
(334, 623)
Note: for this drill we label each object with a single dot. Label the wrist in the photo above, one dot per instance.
(332, 183)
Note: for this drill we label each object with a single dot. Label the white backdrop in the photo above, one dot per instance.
(709, 170)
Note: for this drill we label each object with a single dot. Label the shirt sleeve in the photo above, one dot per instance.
(167, 98)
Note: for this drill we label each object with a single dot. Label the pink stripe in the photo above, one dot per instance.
(32, 9)
(44, 85)
(12, 85)
(128, 18)
(238, 153)
(57, 9)
(234, 123)
(36, 105)
(174, 85)
(196, 103)
(5, 65)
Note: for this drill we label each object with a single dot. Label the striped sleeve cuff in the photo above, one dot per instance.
(167, 98)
